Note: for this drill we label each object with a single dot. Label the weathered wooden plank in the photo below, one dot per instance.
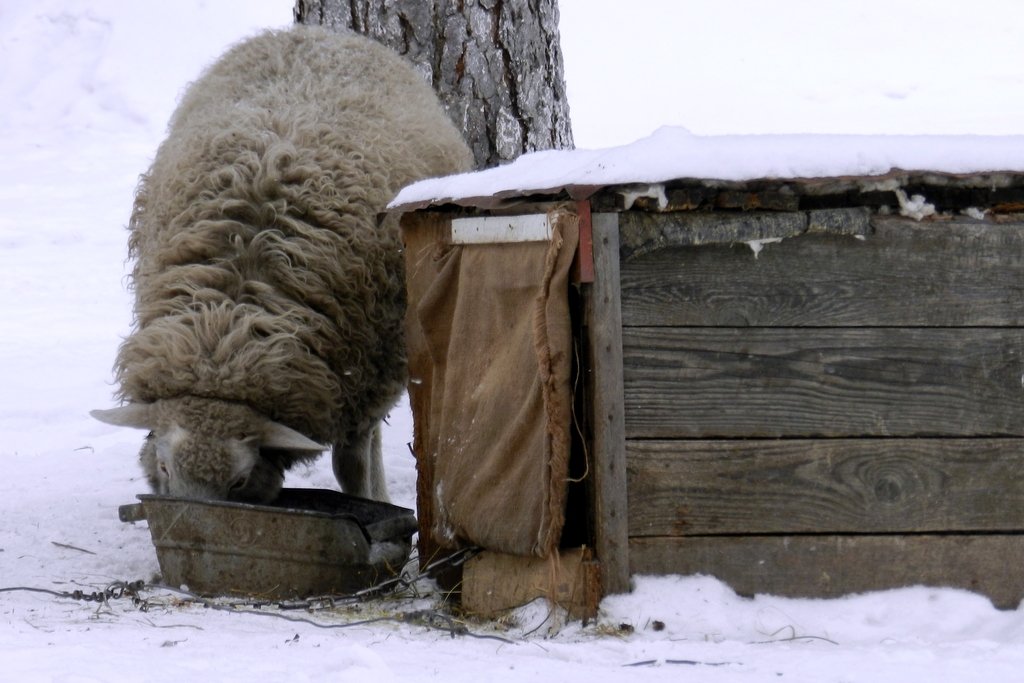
(643, 233)
(752, 201)
(948, 192)
(679, 488)
(422, 232)
(494, 583)
(777, 382)
(830, 566)
(608, 453)
(903, 274)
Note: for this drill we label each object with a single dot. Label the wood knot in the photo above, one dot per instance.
(888, 490)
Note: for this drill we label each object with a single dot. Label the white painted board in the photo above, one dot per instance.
(501, 229)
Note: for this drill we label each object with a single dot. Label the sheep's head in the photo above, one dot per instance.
(211, 449)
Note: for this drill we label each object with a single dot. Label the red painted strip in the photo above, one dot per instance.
(584, 264)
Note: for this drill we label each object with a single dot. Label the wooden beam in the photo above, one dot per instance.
(583, 266)
(494, 583)
(608, 454)
(778, 382)
(903, 273)
(644, 233)
(681, 488)
(422, 233)
(831, 566)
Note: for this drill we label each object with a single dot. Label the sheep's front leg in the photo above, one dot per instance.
(359, 465)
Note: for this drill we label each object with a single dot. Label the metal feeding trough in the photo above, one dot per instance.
(308, 542)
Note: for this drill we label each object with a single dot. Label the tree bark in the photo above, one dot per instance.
(495, 64)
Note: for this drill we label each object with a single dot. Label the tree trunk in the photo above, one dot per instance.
(496, 64)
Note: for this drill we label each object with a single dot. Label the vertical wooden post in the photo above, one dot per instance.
(608, 455)
(583, 266)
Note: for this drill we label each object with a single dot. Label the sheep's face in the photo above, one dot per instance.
(210, 460)
(210, 449)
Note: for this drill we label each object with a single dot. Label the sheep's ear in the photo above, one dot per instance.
(135, 415)
(276, 435)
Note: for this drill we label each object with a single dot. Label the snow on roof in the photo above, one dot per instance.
(674, 153)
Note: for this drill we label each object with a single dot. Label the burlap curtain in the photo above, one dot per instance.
(490, 347)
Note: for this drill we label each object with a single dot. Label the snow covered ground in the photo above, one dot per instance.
(85, 90)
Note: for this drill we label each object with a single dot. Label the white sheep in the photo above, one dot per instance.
(269, 298)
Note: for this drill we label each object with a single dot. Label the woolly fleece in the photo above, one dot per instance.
(262, 275)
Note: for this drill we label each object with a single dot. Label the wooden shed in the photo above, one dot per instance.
(805, 386)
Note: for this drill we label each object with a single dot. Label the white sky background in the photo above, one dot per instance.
(795, 66)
